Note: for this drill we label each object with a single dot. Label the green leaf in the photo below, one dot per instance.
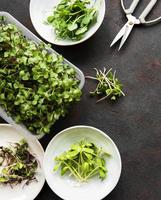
(81, 30)
(50, 19)
(88, 150)
(2, 96)
(3, 179)
(54, 57)
(72, 154)
(106, 154)
(56, 167)
(99, 162)
(89, 156)
(86, 20)
(85, 167)
(72, 27)
(76, 147)
(26, 76)
(113, 98)
(64, 170)
(102, 174)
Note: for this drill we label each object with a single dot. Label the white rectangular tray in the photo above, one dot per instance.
(31, 36)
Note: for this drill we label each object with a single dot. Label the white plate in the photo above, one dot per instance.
(40, 10)
(28, 192)
(64, 186)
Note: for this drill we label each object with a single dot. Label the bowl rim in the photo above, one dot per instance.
(72, 43)
(88, 127)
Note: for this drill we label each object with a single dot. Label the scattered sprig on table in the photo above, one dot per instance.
(108, 85)
(36, 87)
(83, 161)
(71, 19)
(18, 164)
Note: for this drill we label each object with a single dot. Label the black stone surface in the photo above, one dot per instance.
(134, 122)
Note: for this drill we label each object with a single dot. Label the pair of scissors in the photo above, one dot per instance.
(132, 20)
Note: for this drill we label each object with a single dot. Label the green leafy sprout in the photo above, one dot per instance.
(108, 85)
(83, 161)
(36, 87)
(18, 164)
(71, 19)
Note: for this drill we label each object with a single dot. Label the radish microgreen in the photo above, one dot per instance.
(36, 86)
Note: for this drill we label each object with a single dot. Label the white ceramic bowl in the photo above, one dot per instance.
(66, 187)
(20, 192)
(40, 10)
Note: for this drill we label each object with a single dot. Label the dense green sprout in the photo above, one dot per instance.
(36, 87)
(72, 19)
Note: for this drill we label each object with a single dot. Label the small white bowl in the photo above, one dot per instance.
(66, 187)
(40, 10)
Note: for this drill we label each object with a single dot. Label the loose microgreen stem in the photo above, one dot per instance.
(108, 85)
(93, 172)
(73, 171)
(83, 160)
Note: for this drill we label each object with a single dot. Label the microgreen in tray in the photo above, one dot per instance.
(37, 87)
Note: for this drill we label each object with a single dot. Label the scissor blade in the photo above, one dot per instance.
(127, 32)
(119, 35)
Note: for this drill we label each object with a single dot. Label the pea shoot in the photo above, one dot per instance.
(108, 85)
(83, 161)
(36, 87)
(71, 19)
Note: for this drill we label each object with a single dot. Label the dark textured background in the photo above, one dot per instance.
(133, 122)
